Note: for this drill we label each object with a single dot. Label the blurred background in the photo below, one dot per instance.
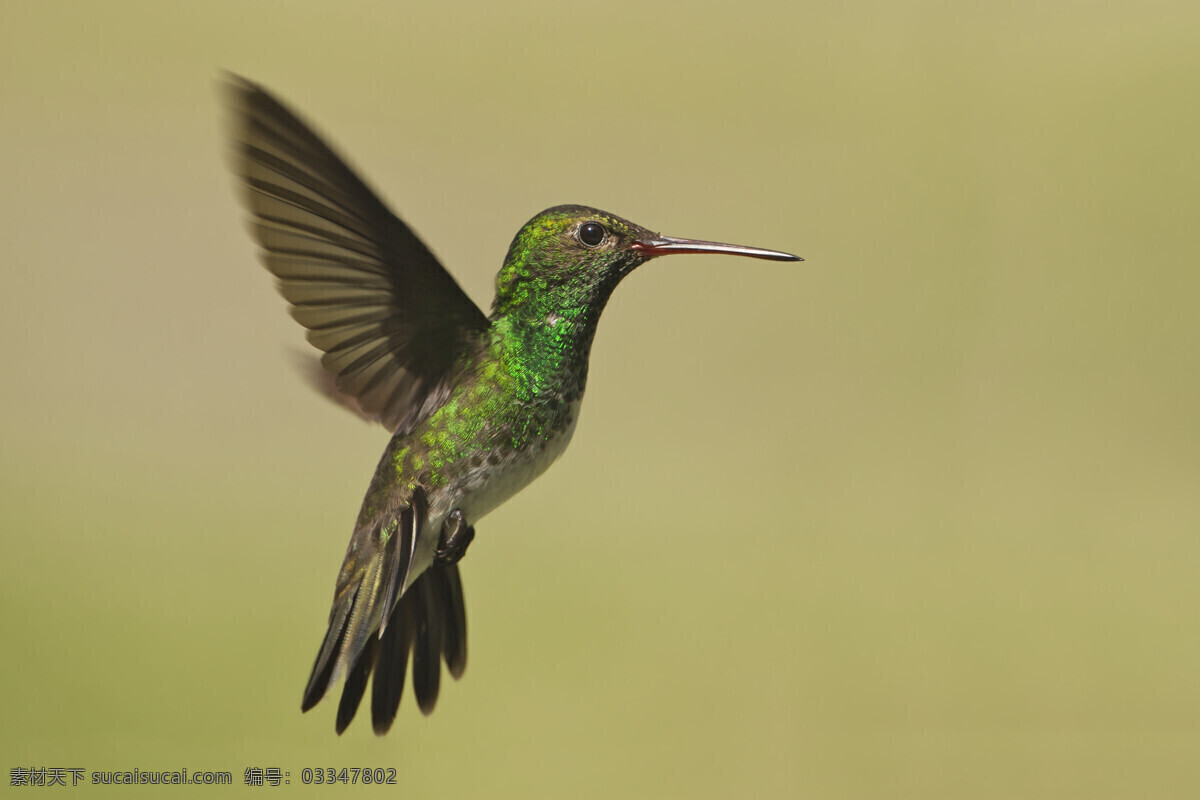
(915, 518)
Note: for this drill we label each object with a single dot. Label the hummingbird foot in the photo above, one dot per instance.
(456, 536)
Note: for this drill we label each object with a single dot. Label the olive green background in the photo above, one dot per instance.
(916, 518)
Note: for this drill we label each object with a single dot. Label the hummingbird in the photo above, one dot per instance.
(478, 405)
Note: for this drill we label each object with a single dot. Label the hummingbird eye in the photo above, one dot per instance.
(591, 234)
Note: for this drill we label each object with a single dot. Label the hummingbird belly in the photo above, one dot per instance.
(474, 478)
(483, 488)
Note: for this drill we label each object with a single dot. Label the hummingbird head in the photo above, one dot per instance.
(570, 258)
(567, 257)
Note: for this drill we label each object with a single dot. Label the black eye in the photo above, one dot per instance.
(591, 233)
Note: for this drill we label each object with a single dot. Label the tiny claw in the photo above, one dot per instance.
(456, 536)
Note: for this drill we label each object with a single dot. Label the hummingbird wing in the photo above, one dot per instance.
(370, 630)
(325, 384)
(390, 320)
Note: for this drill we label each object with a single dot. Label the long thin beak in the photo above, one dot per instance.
(666, 245)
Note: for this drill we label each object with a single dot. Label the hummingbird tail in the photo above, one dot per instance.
(370, 630)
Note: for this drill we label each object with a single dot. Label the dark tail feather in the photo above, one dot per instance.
(449, 598)
(427, 646)
(376, 565)
(429, 620)
(322, 670)
(356, 684)
(389, 672)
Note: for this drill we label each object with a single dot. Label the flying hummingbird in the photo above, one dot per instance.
(478, 405)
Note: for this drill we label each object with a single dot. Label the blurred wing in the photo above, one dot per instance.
(391, 321)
